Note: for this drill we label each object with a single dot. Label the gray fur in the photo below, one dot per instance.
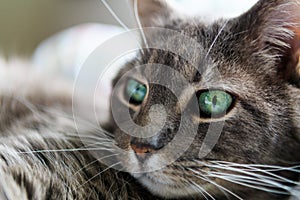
(41, 155)
(256, 55)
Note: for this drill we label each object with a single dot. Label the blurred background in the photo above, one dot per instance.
(25, 23)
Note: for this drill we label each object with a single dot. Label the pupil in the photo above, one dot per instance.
(214, 101)
(137, 90)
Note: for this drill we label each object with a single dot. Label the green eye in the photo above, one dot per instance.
(136, 91)
(215, 103)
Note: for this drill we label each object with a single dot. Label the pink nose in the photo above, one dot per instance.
(141, 150)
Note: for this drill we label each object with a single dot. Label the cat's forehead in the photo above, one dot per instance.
(195, 51)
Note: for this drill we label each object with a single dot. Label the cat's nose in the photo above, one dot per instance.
(142, 150)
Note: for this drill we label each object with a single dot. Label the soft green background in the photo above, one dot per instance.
(24, 23)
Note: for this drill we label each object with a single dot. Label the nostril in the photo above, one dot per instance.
(169, 130)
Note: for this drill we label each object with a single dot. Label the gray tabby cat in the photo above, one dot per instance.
(257, 100)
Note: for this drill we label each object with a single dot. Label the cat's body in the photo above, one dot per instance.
(41, 153)
(251, 60)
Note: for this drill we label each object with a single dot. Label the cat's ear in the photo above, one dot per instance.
(152, 12)
(274, 28)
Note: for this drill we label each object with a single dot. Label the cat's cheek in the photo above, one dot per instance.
(132, 164)
(122, 139)
(296, 109)
(127, 156)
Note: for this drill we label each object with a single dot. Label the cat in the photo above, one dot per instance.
(244, 74)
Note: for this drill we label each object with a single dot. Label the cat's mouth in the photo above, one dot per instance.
(155, 178)
(166, 182)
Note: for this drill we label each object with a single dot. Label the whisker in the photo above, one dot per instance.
(136, 13)
(272, 167)
(250, 186)
(224, 190)
(29, 105)
(115, 15)
(33, 108)
(100, 173)
(79, 138)
(91, 163)
(247, 172)
(216, 38)
(112, 12)
(202, 190)
(100, 144)
(65, 150)
(271, 176)
(201, 176)
(259, 180)
(255, 181)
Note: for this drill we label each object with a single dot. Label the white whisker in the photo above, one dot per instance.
(246, 179)
(202, 190)
(115, 15)
(216, 38)
(270, 176)
(100, 173)
(100, 144)
(65, 150)
(84, 138)
(201, 176)
(118, 20)
(272, 167)
(250, 186)
(249, 176)
(136, 13)
(97, 160)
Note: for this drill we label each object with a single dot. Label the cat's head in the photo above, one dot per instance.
(231, 92)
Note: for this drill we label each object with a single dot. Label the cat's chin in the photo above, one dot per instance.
(156, 181)
(161, 181)
(167, 189)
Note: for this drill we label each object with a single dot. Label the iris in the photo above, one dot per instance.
(215, 102)
(135, 91)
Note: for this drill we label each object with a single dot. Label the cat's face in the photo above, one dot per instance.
(243, 93)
